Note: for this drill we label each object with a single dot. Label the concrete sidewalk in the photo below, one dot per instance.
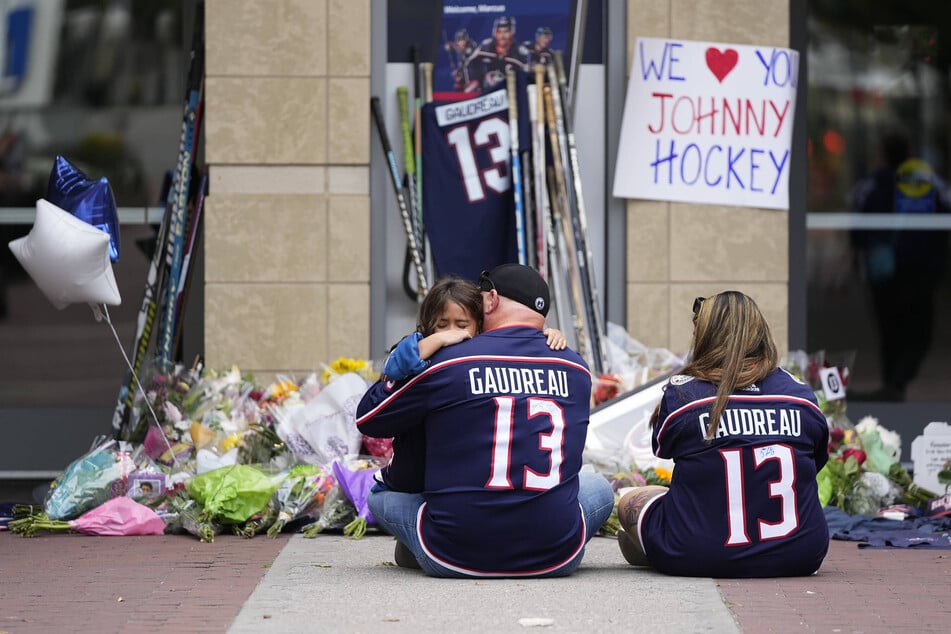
(174, 583)
(330, 584)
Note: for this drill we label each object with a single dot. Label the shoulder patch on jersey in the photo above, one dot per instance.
(680, 379)
(752, 387)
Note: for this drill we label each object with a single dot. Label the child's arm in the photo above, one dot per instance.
(404, 360)
(556, 338)
(409, 356)
(429, 345)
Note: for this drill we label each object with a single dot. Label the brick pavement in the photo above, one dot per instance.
(857, 590)
(171, 583)
(176, 584)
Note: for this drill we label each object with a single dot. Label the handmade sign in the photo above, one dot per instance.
(931, 453)
(708, 123)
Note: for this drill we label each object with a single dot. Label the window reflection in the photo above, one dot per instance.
(878, 160)
(99, 82)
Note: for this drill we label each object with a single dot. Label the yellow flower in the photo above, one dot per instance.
(282, 389)
(344, 365)
(663, 474)
(232, 441)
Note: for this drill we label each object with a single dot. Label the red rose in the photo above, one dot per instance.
(836, 434)
(606, 387)
(858, 454)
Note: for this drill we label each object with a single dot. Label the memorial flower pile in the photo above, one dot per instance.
(206, 455)
(864, 474)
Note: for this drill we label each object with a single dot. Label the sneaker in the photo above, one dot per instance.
(404, 557)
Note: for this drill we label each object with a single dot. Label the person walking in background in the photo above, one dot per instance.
(505, 420)
(747, 440)
(903, 267)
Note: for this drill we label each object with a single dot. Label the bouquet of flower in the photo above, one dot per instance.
(339, 510)
(622, 481)
(863, 474)
(346, 365)
(260, 522)
(356, 486)
(231, 495)
(186, 515)
(88, 481)
(118, 516)
(301, 493)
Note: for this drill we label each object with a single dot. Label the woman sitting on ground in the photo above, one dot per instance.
(747, 440)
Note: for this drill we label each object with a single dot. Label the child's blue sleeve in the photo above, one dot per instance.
(404, 359)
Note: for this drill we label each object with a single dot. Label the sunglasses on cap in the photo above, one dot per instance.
(485, 282)
(697, 303)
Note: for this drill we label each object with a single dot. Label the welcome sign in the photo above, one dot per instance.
(708, 123)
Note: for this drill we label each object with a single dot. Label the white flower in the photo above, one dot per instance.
(172, 414)
(868, 424)
(891, 441)
(877, 485)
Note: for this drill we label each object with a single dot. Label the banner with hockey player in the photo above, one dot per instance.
(482, 40)
(708, 123)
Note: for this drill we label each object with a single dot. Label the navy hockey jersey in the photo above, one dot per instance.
(746, 504)
(505, 421)
(468, 205)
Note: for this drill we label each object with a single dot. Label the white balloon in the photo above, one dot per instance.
(67, 258)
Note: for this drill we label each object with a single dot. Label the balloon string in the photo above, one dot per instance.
(102, 314)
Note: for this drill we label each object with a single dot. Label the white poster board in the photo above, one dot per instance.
(708, 123)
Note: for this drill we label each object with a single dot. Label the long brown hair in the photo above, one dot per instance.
(445, 290)
(732, 348)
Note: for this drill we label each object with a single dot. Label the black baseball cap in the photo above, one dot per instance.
(520, 283)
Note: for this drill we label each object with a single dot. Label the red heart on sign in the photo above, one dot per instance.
(720, 64)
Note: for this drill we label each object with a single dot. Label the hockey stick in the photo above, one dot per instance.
(536, 110)
(184, 285)
(516, 167)
(178, 199)
(586, 259)
(157, 273)
(377, 109)
(562, 217)
(424, 95)
(528, 195)
(402, 97)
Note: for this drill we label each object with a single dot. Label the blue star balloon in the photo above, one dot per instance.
(89, 200)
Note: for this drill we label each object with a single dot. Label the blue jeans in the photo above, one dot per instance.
(396, 513)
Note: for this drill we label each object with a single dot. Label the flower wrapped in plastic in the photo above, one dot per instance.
(346, 365)
(339, 510)
(356, 486)
(260, 522)
(232, 495)
(186, 515)
(302, 493)
(118, 516)
(97, 476)
(323, 429)
(863, 474)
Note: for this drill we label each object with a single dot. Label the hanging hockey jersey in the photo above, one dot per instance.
(747, 503)
(468, 205)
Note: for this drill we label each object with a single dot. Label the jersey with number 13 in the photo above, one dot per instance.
(505, 421)
(745, 504)
(469, 210)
